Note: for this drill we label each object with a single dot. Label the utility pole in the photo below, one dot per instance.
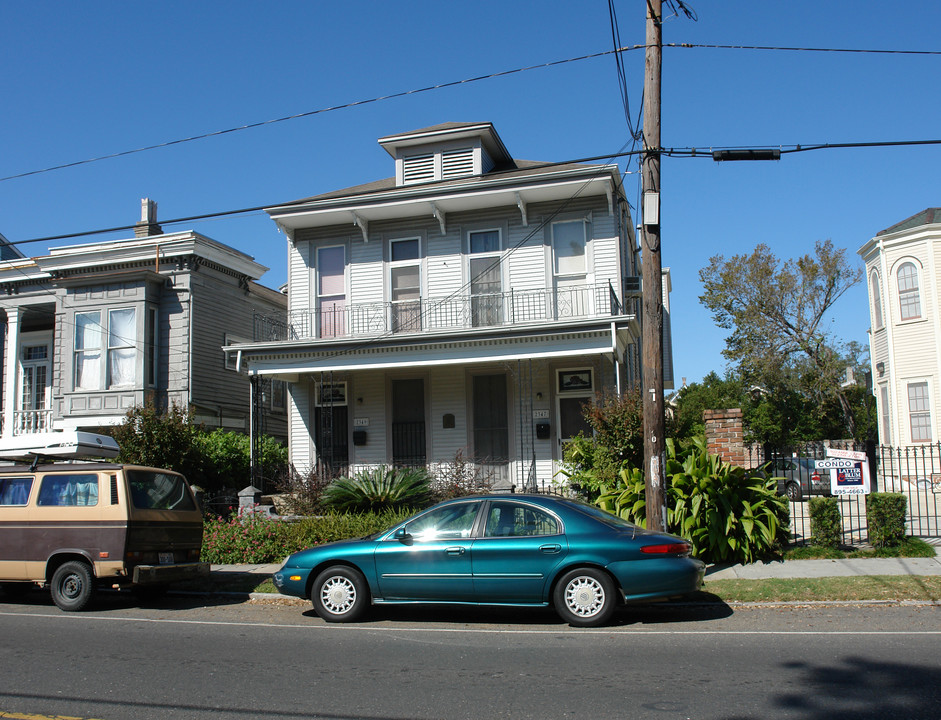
(652, 344)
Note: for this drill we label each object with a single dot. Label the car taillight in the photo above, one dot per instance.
(666, 549)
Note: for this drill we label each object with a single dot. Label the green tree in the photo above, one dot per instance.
(776, 312)
(164, 440)
(713, 393)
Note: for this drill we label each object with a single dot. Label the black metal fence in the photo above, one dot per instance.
(912, 471)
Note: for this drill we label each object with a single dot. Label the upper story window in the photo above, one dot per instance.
(568, 248)
(909, 292)
(110, 336)
(405, 284)
(331, 290)
(875, 293)
(486, 277)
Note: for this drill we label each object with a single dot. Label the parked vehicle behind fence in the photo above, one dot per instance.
(798, 477)
(76, 527)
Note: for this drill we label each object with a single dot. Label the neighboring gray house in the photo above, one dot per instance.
(93, 330)
(467, 307)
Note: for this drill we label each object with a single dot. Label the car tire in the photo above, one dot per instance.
(73, 586)
(340, 594)
(585, 597)
(793, 491)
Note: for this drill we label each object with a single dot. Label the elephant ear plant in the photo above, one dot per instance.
(728, 514)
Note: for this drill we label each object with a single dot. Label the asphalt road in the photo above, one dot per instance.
(187, 659)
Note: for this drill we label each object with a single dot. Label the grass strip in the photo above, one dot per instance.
(846, 589)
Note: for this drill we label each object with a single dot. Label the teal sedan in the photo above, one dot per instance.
(528, 550)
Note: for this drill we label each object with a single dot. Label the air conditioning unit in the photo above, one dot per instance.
(632, 286)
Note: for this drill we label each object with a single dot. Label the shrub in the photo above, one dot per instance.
(227, 458)
(826, 524)
(885, 514)
(727, 513)
(260, 539)
(460, 477)
(301, 492)
(379, 488)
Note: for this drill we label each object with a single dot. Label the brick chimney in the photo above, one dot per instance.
(148, 220)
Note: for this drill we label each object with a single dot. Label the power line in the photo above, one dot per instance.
(454, 83)
(310, 113)
(781, 48)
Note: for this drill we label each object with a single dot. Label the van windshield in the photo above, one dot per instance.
(152, 490)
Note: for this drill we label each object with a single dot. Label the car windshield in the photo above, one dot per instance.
(151, 490)
(601, 515)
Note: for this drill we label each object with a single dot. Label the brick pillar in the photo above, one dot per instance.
(724, 435)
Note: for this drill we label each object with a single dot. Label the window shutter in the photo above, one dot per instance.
(457, 163)
(420, 168)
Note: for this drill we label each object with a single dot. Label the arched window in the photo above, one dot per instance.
(875, 293)
(909, 295)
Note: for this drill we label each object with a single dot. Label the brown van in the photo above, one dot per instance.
(75, 527)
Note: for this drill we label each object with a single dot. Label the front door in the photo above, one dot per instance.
(491, 426)
(408, 422)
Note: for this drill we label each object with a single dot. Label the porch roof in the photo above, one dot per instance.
(291, 361)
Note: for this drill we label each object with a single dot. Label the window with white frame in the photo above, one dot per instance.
(405, 284)
(105, 349)
(331, 290)
(919, 411)
(885, 417)
(278, 394)
(570, 268)
(486, 277)
(909, 293)
(231, 358)
(875, 292)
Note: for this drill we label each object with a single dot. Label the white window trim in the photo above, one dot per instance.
(232, 357)
(931, 409)
(339, 388)
(919, 279)
(878, 310)
(104, 322)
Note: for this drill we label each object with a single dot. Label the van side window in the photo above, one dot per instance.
(15, 491)
(69, 490)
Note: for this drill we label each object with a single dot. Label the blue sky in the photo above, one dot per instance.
(82, 80)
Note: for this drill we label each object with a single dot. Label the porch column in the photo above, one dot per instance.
(12, 365)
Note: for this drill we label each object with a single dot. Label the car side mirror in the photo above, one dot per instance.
(402, 535)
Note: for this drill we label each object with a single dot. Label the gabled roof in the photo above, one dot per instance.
(928, 216)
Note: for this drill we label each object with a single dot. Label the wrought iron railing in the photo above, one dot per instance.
(515, 307)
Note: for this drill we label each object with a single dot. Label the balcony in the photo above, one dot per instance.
(442, 314)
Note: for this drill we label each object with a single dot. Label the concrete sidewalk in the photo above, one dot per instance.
(826, 568)
(753, 571)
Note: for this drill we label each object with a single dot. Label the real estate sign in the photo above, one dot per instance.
(849, 472)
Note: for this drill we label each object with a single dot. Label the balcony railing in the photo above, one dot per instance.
(450, 313)
(26, 422)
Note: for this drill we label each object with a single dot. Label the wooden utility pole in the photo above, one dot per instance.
(652, 350)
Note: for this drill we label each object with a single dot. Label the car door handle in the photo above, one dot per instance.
(550, 549)
(454, 550)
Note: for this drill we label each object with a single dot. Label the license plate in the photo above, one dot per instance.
(166, 558)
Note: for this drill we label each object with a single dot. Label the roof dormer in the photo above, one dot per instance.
(446, 152)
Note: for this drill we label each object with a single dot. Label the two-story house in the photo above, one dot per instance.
(465, 308)
(902, 270)
(93, 330)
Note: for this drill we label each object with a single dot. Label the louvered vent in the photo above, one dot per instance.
(114, 489)
(420, 168)
(457, 163)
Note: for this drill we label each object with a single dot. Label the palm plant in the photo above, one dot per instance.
(379, 488)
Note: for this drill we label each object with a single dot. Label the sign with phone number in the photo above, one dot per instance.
(849, 472)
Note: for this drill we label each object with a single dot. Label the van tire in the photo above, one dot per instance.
(73, 586)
